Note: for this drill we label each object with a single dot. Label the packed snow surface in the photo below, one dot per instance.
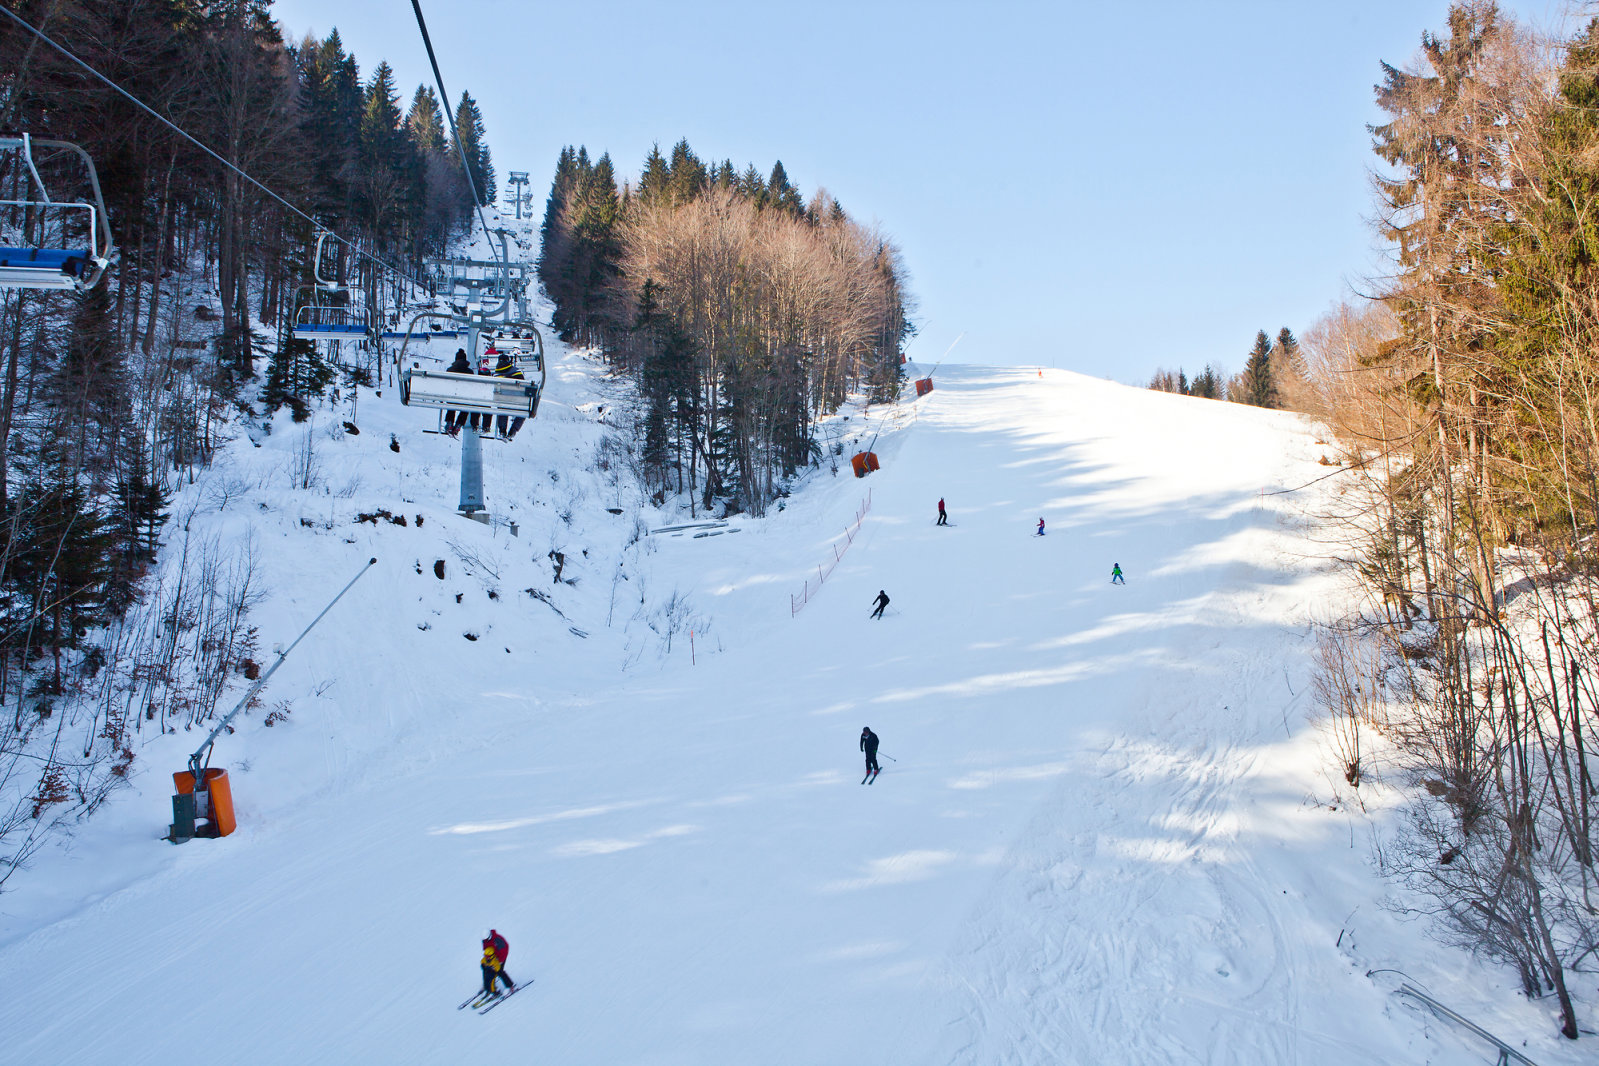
(1103, 833)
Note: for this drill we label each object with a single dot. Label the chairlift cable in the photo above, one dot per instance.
(19, 20)
(444, 100)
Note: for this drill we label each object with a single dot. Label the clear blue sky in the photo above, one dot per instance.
(1101, 187)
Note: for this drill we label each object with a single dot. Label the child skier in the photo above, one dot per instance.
(943, 519)
(1116, 575)
(495, 950)
(1040, 532)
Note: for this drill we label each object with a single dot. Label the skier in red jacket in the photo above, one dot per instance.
(495, 950)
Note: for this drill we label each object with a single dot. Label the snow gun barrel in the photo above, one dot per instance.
(198, 759)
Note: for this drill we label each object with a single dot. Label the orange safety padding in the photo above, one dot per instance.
(216, 783)
(924, 386)
(219, 794)
(857, 463)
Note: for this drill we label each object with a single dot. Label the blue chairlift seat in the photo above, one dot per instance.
(43, 268)
(318, 323)
(46, 266)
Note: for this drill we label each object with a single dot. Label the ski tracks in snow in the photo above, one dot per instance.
(1129, 922)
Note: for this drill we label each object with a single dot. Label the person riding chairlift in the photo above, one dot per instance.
(454, 420)
(505, 368)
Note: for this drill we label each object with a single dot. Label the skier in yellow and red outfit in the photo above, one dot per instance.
(495, 950)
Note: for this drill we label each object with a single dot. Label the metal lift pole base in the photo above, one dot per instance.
(472, 474)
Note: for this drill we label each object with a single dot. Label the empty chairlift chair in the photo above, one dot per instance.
(321, 322)
(47, 243)
(321, 315)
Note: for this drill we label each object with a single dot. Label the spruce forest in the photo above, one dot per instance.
(112, 396)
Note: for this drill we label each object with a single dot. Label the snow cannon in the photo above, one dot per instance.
(203, 803)
(864, 463)
(924, 386)
(202, 808)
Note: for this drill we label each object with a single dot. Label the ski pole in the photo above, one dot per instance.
(887, 756)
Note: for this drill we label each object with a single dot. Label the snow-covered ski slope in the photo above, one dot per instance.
(1096, 839)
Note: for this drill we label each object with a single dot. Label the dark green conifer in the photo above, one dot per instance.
(688, 173)
(474, 145)
(655, 181)
(426, 121)
(1257, 384)
(782, 194)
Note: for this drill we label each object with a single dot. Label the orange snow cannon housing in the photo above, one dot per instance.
(218, 803)
(923, 387)
(864, 463)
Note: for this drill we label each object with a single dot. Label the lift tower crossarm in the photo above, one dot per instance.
(197, 760)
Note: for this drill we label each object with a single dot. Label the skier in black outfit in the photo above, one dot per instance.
(881, 602)
(869, 746)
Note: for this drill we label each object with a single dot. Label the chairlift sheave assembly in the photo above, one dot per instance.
(77, 255)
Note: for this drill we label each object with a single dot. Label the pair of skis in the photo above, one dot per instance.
(483, 1002)
(871, 776)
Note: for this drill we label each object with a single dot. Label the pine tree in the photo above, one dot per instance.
(688, 175)
(654, 183)
(141, 502)
(330, 108)
(1257, 384)
(137, 515)
(295, 374)
(426, 121)
(752, 186)
(1551, 289)
(1206, 384)
(594, 220)
(474, 146)
(1290, 359)
(390, 168)
(88, 390)
(61, 563)
(782, 194)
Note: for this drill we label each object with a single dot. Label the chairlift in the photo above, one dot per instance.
(319, 322)
(477, 393)
(318, 317)
(473, 393)
(526, 348)
(64, 263)
(485, 396)
(432, 333)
